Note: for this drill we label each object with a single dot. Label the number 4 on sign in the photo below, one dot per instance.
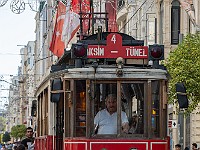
(113, 39)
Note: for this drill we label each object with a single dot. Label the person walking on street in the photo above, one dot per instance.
(177, 147)
(3, 147)
(194, 146)
(28, 142)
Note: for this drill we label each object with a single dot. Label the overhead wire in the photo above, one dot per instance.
(51, 22)
(133, 15)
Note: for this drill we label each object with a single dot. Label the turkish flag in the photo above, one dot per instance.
(72, 19)
(57, 45)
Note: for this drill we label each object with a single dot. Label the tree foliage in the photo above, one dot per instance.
(18, 131)
(183, 65)
(2, 123)
(6, 137)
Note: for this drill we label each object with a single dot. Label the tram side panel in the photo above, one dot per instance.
(91, 144)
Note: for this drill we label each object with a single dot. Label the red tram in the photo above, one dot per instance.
(73, 93)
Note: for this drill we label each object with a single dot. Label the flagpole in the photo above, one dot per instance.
(92, 11)
(81, 20)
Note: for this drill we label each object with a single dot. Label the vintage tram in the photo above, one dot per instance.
(75, 90)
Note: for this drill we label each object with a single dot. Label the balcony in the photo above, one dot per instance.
(121, 10)
(120, 4)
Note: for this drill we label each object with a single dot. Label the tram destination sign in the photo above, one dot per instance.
(114, 49)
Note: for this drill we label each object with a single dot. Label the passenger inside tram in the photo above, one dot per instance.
(105, 121)
(133, 123)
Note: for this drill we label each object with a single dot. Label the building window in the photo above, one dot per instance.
(161, 22)
(28, 61)
(120, 4)
(30, 49)
(175, 22)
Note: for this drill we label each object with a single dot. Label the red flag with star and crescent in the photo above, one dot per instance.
(57, 45)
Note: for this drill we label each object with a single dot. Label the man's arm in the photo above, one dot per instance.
(96, 123)
(125, 127)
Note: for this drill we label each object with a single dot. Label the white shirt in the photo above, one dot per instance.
(107, 123)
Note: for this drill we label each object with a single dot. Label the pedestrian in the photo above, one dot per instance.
(28, 142)
(15, 147)
(9, 147)
(194, 146)
(3, 147)
(177, 147)
(186, 148)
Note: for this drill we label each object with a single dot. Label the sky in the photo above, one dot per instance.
(15, 29)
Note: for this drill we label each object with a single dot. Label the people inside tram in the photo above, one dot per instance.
(133, 123)
(105, 121)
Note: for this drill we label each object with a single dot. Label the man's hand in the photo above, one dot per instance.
(125, 127)
(125, 131)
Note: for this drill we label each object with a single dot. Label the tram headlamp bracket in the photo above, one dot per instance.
(120, 64)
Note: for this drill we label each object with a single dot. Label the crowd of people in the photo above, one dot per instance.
(194, 147)
(26, 144)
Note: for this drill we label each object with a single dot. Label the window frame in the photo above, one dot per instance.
(70, 104)
(175, 6)
(146, 111)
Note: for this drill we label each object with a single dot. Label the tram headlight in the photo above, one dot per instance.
(56, 90)
(156, 52)
(79, 50)
(181, 95)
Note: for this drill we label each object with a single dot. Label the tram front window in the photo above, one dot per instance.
(106, 120)
(133, 105)
(128, 98)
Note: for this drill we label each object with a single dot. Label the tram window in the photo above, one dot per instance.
(105, 108)
(155, 107)
(133, 105)
(80, 108)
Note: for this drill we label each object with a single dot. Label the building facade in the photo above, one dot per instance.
(154, 21)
